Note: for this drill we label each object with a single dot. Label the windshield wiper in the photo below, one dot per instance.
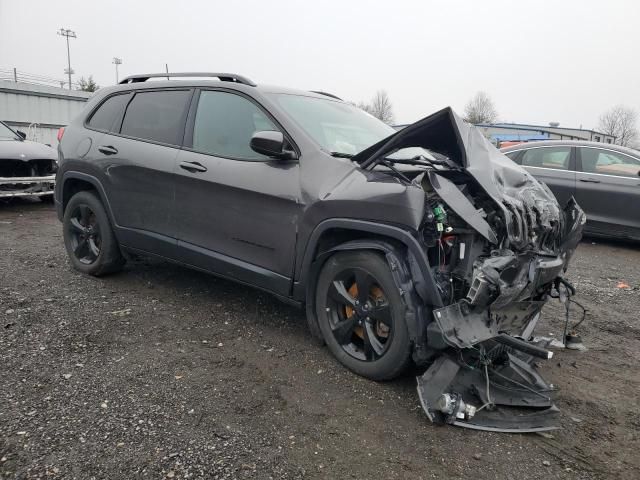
(341, 155)
(421, 160)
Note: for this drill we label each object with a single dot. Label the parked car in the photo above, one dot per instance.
(603, 178)
(404, 246)
(27, 169)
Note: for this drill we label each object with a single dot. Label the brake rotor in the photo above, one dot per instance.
(377, 295)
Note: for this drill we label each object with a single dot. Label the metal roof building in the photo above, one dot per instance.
(39, 110)
(517, 132)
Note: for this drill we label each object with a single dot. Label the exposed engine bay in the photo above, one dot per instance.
(498, 245)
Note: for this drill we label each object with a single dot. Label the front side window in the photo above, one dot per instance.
(547, 157)
(606, 162)
(513, 156)
(107, 113)
(336, 126)
(225, 123)
(157, 116)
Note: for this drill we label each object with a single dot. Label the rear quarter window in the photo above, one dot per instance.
(106, 114)
(158, 116)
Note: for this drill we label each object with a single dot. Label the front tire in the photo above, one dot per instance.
(88, 237)
(361, 315)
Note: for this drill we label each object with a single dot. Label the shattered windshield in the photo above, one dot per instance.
(6, 133)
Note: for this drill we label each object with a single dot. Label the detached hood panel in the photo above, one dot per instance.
(531, 213)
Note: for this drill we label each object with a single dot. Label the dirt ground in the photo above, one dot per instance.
(162, 372)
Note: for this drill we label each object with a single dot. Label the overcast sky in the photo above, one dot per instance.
(539, 61)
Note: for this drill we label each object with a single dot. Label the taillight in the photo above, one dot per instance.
(60, 133)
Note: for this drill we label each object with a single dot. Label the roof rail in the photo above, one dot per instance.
(224, 77)
(319, 92)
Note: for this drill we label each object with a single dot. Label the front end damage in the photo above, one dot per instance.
(498, 245)
(27, 178)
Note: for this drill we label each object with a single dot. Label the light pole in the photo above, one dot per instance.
(117, 61)
(65, 32)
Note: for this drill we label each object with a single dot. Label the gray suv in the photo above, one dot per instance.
(424, 246)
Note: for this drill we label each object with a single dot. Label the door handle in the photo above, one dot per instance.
(108, 150)
(589, 180)
(193, 167)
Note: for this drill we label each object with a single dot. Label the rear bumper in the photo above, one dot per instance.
(27, 186)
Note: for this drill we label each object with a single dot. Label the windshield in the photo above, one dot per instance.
(338, 127)
(6, 133)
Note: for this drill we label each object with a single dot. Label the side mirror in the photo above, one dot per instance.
(271, 144)
(21, 134)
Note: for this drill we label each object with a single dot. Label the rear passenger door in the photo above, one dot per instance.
(236, 209)
(553, 166)
(138, 158)
(608, 190)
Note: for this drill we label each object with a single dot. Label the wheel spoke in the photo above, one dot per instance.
(81, 249)
(382, 313)
(93, 247)
(364, 281)
(372, 347)
(77, 226)
(343, 330)
(85, 212)
(339, 293)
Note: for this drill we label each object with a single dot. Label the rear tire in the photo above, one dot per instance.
(361, 315)
(88, 237)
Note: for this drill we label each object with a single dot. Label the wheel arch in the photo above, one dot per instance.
(74, 182)
(407, 261)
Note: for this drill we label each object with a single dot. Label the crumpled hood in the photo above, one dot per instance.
(531, 213)
(26, 150)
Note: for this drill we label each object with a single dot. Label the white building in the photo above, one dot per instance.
(39, 110)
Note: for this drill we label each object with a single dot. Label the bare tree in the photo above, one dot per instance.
(364, 106)
(620, 122)
(380, 107)
(480, 109)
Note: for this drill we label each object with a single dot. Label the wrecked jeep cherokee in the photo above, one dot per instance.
(425, 245)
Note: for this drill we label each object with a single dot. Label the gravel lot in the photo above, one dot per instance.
(162, 372)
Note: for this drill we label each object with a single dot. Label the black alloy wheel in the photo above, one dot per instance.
(88, 236)
(84, 234)
(361, 314)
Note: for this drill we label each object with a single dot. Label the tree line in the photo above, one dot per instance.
(619, 121)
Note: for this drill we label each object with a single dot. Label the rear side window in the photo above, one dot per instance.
(107, 113)
(547, 157)
(606, 162)
(225, 123)
(157, 116)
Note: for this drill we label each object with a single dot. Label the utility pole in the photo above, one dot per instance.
(117, 61)
(65, 32)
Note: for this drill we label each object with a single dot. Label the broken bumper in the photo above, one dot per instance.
(26, 186)
(503, 396)
(485, 378)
